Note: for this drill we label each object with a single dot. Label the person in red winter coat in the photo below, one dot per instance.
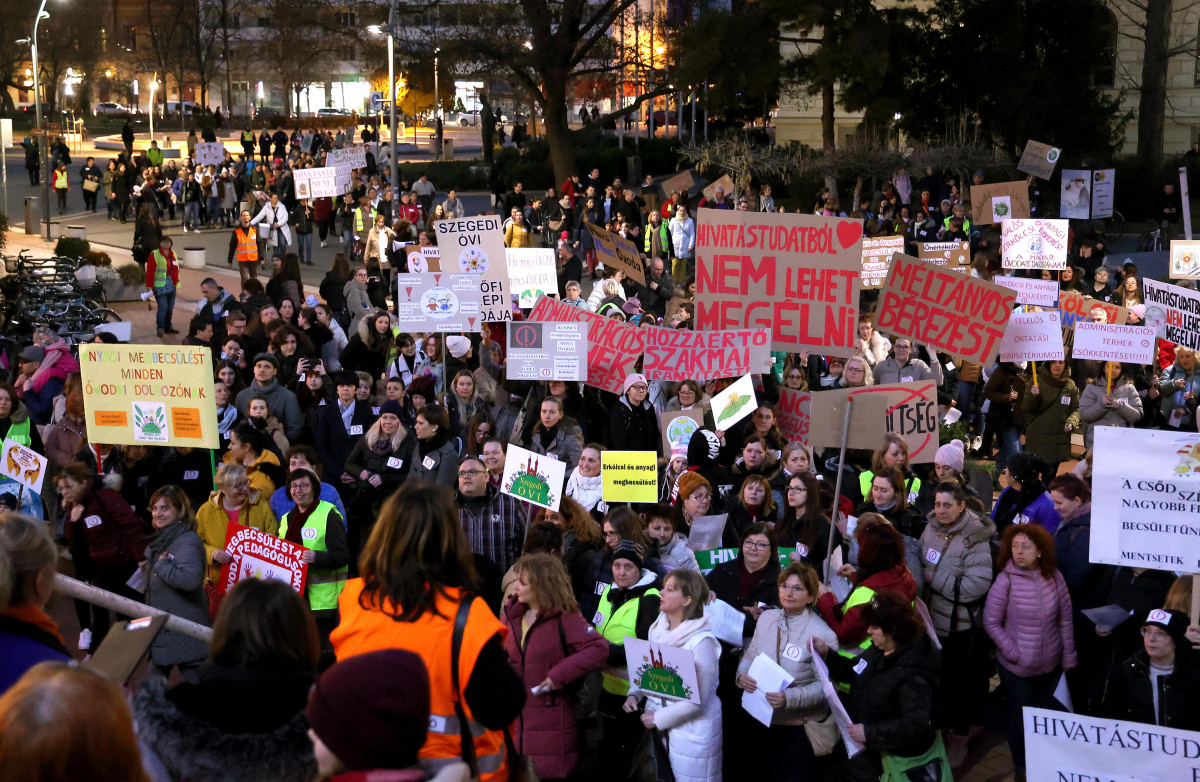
(162, 278)
(551, 646)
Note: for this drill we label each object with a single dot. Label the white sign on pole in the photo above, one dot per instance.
(664, 671)
(1065, 747)
(1032, 336)
(1110, 342)
(355, 156)
(531, 273)
(1034, 244)
(330, 181)
(1184, 197)
(533, 477)
(1103, 185)
(1174, 312)
(210, 153)
(475, 246)
(1146, 508)
(24, 465)
(1039, 293)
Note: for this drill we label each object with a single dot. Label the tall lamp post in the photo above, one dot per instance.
(44, 146)
(394, 164)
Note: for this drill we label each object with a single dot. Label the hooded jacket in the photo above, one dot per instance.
(958, 555)
(1029, 618)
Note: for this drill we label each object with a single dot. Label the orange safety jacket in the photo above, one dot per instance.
(247, 245)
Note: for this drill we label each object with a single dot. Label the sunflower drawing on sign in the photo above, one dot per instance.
(150, 422)
(473, 261)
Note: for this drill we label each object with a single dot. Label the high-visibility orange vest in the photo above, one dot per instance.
(361, 630)
(247, 246)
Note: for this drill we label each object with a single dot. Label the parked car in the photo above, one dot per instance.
(330, 111)
(262, 112)
(465, 118)
(110, 109)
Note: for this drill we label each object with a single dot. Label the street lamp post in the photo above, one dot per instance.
(44, 145)
(437, 104)
(153, 87)
(394, 158)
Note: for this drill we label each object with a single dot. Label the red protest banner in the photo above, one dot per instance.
(680, 354)
(957, 314)
(256, 554)
(614, 347)
(792, 414)
(797, 275)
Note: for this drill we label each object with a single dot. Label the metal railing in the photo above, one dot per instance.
(79, 590)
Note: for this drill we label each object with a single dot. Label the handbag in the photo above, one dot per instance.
(91, 185)
(823, 734)
(651, 763)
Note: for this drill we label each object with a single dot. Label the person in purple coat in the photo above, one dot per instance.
(1028, 615)
(551, 646)
(1026, 500)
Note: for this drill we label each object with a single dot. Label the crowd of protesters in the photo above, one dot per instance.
(450, 630)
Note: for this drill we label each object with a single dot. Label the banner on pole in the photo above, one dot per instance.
(681, 354)
(614, 347)
(475, 246)
(1110, 342)
(440, 302)
(546, 351)
(1033, 336)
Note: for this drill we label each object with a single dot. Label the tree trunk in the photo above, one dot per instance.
(487, 127)
(828, 139)
(1152, 107)
(558, 135)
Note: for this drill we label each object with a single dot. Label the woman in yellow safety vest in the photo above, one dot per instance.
(62, 184)
(162, 277)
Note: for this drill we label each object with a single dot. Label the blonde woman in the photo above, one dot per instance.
(234, 501)
(856, 373)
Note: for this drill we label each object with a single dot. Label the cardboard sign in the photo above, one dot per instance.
(1034, 244)
(210, 153)
(681, 354)
(438, 302)
(797, 275)
(661, 670)
(629, 476)
(793, 414)
(907, 409)
(1109, 342)
(546, 351)
(991, 204)
(330, 181)
(256, 554)
(614, 347)
(617, 252)
(533, 477)
(531, 273)
(727, 188)
(956, 256)
(149, 395)
(475, 246)
(1039, 159)
(1039, 293)
(1063, 746)
(876, 255)
(1185, 259)
(1033, 336)
(354, 156)
(957, 314)
(422, 260)
(23, 465)
(683, 182)
(734, 403)
(678, 426)
(1144, 509)
(122, 650)
(1173, 312)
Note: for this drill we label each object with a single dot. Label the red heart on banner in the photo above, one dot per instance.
(849, 232)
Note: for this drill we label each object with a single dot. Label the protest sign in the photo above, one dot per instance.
(614, 347)
(475, 246)
(708, 559)
(1065, 747)
(682, 182)
(834, 700)
(1147, 498)
(1032, 336)
(876, 255)
(210, 153)
(23, 465)
(961, 315)
(436, 301)
(734, 403)
(795, 274)
(531, 273)
(1039, 159)
(1034, 244)
(991, 204)
(956, 256)
(617, 252)
(629, 476)
(546, 351)
(1103, 187)
(906, 409)
(658, 669)
(423, 259)
(533, 477)
(1174, 312)
(1185, 260)
(678, 426)
(1075, 308)
(1039, 293)
(726, 185)
(1110, 342)
(680, 354)
(330, 181)
(706, 532)
(149, 395)
(355, 156)
(793, 414)
(257, 554)
(1075, 195)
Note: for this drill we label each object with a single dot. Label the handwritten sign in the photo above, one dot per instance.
(330, 181)
(1185, 260)
(614, 347)
(665, 671)
(1075, 308)
(1174, 312)
(533, 477)
(210, 153)
(437, 301)
(1032, 336)
(257, 554)
(793, 414)
(617, 252)
(680, 354)
(354, 156)
(546, 351)
(726, 185)
(475, 246)
(956, 256)
(876, 255)
(797, 275)
(678, 426)
(734, 403)
(909, 410)
(960, 315)
(149, 395)
(1110, 342)
(23, 465)
(1039, 159)
(991, 204)
(531, 273)
(1034, 244)
(629, 476)
(1039, 293)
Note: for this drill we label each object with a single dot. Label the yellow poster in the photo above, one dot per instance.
(149, 395)
(629, 476)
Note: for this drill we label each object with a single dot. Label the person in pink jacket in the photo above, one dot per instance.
(551, 646)
(1028, 615)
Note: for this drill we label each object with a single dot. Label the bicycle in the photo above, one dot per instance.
(1109, 228)
(1154, 241)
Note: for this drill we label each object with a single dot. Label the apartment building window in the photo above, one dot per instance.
(129, 37)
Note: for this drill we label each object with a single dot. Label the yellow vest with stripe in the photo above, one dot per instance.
(322, 585)
(615, 626)
(912, 484)
(60, 180)
(161, 269)
(19, 433)
(860, 595)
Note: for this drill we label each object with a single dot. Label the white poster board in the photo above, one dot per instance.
(1185, 259)
(1110, 342)
(1174, 312)
(355, 156)
(734, 403)
(1034, 244)
(1032, 336)
(1103, 188)
(531, 273)
(475, 246)
(1075, 194)
(1146, 499)
(664, 671)
(438, 302)
(327, 182)
(533, 477)
(24, 465)
(1039, 293)
(210, 153)
(547, 351)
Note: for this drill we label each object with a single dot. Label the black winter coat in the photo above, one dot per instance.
(1130, 696)
(723, 581)
(632, 429)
